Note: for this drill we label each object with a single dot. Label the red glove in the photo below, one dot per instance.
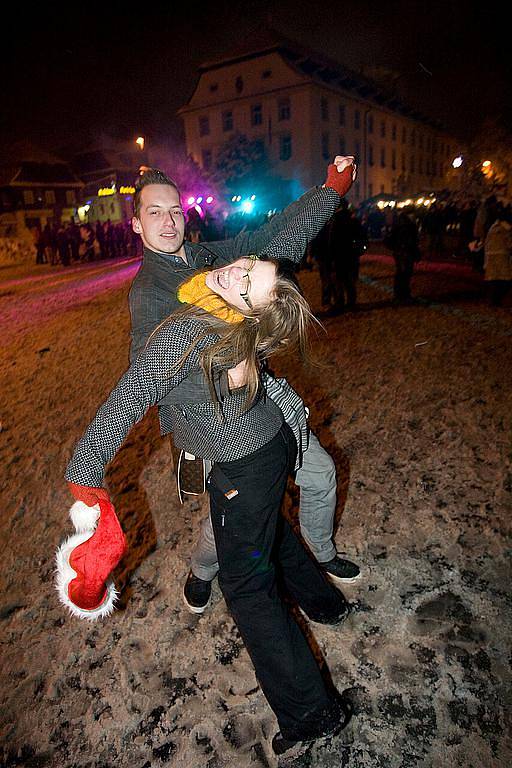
(88, 495)
(340, 182)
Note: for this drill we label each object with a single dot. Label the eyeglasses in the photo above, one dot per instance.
(245, 283)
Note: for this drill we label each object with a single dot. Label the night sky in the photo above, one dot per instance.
(72, 74)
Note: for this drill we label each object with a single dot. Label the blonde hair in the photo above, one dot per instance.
(282, 324)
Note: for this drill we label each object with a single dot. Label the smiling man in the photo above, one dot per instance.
(169, 260)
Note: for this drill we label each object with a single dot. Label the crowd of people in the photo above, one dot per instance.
(67, 243)
(468, 230)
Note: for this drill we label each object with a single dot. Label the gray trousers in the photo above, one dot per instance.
(317, 482)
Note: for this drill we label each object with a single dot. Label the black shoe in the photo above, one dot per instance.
(196, 593)
(280, 745)
(340, 570)
(331, 620)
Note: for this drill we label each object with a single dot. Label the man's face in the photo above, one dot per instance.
(161, 223)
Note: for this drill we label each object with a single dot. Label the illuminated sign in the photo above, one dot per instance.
(104, 191)
(127, 190)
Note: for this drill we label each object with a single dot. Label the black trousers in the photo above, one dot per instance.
(258, 556)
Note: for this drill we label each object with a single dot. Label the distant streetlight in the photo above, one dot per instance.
(140, 141)
(457, 161)
(486, 164)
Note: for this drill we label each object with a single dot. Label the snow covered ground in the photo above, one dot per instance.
(414, 403)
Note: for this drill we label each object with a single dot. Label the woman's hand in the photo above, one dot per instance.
(88, 495)
(341, 174)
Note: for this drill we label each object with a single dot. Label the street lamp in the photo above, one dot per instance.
(457, 161)
(140, 142)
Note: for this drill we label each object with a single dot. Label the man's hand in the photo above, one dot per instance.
(237, 376)
(341, 174)
(88, 495)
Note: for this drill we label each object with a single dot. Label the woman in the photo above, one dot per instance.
(236, 318)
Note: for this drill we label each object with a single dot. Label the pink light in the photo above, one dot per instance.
(191, 200)
(198, 208)
(209, 199)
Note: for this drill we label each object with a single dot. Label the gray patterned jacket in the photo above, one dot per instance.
(193, 419)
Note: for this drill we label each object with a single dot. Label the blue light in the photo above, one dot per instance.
(247, 206)
(199, 200)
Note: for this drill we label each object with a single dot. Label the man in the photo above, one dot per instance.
(404, 243)
(168, 261)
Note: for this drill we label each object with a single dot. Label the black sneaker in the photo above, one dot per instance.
(340, 570)
(280, 745)
(196, 593)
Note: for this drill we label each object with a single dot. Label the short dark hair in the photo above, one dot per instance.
(151, 176)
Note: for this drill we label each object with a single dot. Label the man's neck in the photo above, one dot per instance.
(181, 253)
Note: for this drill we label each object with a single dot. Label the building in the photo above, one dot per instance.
(109, 177)
(303, 110)
(33, 194)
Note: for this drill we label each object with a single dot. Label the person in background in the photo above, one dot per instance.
(498, 257)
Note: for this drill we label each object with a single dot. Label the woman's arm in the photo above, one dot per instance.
(144, 384)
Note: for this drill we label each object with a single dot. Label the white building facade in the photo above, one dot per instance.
(304, 112)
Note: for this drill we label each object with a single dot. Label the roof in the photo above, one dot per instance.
(44, 173)
(327, 72)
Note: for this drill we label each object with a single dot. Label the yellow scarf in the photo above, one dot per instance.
(195, 291)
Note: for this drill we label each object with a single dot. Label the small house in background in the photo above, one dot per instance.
(109, 178)
(33, 194)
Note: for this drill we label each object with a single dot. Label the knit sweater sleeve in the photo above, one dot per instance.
(308, 214)
(291, 241)
(144, 384)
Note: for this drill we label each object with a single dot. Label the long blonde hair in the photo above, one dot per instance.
(282, 324)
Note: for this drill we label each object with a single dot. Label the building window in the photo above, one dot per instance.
(370, 154)
(214, 87)
(239, 84)
(256, 114)
(404, 135)
(324, 108)
(341, 114)
(413, 138)
(382, 157)
(70, 196)
(357, 120)
(28, 197)
(358, 151)
(420, 165)
(420, 141)
(428, 167)
(403, 161)
(370, 123)
(285, 147)
(358, 189)
(383, 129)
(382, 189)
(393, 132)
(49, 196)
(412, 164)
(227, 121)
(284, 110)
(325, 146)
(370, 190)
(434, 168)
(393, 159)
(342, 145)
(206, 156)
(204, 126)
(428, 143)
(266, 74)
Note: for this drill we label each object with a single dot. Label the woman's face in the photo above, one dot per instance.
(246, 284)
